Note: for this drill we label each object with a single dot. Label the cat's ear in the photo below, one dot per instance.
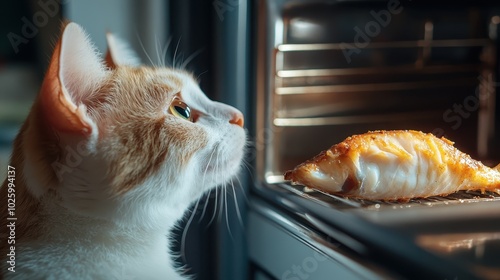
(75, 73)
(119, 53)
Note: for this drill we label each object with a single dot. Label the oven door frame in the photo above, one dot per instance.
(401, 256)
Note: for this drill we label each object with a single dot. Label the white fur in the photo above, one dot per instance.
(81, 69)
(122, 53)
(90, 234)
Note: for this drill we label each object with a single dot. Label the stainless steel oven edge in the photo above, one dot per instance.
(344, 236)
(286, 249)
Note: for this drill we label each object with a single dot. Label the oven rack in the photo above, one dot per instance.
(343, 203)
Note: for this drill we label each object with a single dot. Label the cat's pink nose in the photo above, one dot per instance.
(237, 119)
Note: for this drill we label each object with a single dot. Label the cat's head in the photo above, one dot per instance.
(111, 133)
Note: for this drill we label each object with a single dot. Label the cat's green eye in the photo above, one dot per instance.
(180, 109)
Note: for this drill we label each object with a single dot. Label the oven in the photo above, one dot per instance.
(325, 70)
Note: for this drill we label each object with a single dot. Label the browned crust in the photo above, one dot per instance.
(356, 142)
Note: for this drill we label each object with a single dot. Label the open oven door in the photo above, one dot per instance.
(325, 70)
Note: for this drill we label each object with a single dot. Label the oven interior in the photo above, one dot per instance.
(415, 69)
(344, 68)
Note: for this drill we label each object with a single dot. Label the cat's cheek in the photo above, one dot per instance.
(225, 159)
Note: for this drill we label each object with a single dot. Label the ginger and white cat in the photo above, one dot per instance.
(108, 160)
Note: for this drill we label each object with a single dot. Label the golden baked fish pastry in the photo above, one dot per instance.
(390, 165)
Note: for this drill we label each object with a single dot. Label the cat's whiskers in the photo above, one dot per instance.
(221, 206)
(215, 207)
(216, 168)
(163, 57)
(177, 61)
(236, 204)
(175, 53)
(205, 206)
(157, 47)
(203, 181)
(144, 50)
(185, 231)
(210, 160)
(227, 216)
(238, 214)
(190, 58)
(249, 146)
(242, 190)
(198, 77)
(247, 166)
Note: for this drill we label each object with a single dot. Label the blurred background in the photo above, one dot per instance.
(29, 30)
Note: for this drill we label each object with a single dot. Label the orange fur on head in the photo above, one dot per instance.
(144, 133)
